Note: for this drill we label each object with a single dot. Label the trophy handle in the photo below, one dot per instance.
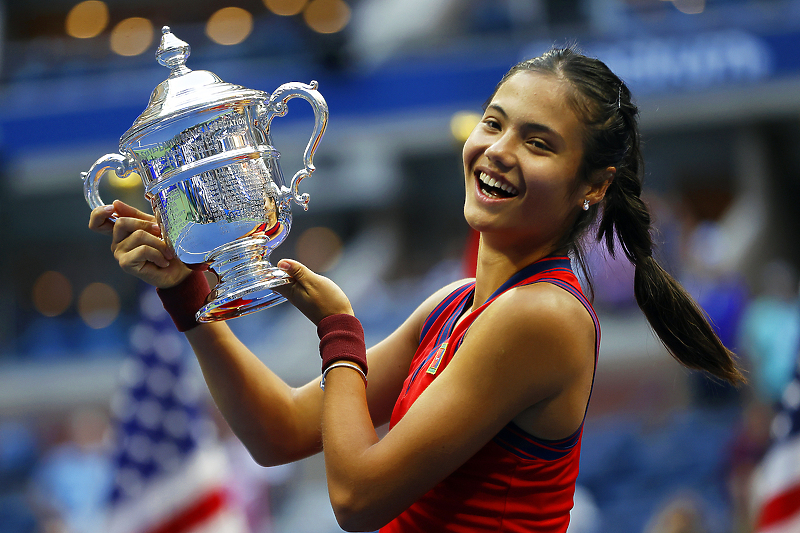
(277, 107)
(91, 179)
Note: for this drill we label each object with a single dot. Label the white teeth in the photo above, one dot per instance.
(491, 182)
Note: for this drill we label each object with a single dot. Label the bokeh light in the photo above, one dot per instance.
(87, 19)
(319, 249)
(132, 36)
(462, 124)
(327, 16)
(285, 8)
(229, 25)
(690, 7)
(98, 305)
(133, 180)
(52, 293)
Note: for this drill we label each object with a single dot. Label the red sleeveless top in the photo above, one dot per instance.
(516, 482)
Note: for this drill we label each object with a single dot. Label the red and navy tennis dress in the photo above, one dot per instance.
(516, 482)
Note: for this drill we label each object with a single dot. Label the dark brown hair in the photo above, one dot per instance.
(603, 102)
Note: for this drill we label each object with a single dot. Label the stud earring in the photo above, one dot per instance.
(586, 205)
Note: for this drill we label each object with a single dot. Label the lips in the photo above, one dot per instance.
(495, 188)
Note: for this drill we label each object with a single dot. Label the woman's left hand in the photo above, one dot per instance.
(315, 296)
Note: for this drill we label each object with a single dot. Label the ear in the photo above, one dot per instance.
(596, 191)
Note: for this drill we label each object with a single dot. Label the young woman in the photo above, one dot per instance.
(486, 384)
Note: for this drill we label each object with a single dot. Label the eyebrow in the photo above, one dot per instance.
(528, 127)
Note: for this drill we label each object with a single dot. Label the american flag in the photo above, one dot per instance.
(170, 468)
(777, 483)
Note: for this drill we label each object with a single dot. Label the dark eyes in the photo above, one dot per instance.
(536, 143)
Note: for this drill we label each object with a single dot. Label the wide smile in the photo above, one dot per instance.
(494, 188)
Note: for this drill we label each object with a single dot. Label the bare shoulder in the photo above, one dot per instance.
(541, 320)
(545, 302)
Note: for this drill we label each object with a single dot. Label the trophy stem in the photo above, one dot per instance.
(246, 280)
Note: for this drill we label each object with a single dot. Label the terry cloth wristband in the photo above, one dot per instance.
(185, 299)
(341, 338)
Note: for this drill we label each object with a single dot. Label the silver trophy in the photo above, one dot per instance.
(204, 153)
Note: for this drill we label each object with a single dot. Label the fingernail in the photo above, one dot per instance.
(283, 264)
(108, 208)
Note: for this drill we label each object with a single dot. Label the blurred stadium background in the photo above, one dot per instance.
(718, 84)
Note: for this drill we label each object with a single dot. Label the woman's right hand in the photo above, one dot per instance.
(137, 244)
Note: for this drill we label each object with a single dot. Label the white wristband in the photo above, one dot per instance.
(340, 364)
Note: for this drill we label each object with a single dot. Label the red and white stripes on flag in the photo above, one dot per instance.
(776, 485)
(171, 471)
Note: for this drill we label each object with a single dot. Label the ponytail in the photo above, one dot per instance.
(680, 324)
(677, 320)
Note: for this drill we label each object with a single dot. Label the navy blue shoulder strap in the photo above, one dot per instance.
(542, 265)
(460, 291)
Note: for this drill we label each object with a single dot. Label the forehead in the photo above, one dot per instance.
(539, 98)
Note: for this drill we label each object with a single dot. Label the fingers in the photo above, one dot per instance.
(140, 251)
(98, 219)
(309, 281)
(125, 210)
(294, 268)
(130, 234)
(125, 227)
(137, 241)
(137, 244)
(314, 295)
(135, 259)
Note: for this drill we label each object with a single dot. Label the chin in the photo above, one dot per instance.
(478, 221)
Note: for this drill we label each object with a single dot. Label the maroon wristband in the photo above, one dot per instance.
(185, 299)
(341, 338)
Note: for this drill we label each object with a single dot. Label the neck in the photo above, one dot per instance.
(495, 265)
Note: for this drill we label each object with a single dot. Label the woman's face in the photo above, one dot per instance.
(521, 162)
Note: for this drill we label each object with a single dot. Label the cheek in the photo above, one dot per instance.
(470, 151)
(553, 189)
(465, 157)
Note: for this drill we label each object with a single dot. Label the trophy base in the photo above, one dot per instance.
(228, 304)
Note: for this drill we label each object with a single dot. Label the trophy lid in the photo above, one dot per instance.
(185, 90)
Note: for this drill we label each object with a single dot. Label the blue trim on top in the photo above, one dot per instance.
(446, 329)
(517, 441)
(426, 326)
(547, 263)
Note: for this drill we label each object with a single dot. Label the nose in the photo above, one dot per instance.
(501, 151)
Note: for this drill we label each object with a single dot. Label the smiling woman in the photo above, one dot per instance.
(521, 162)
(486, 385)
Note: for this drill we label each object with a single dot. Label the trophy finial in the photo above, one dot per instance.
(173, 52)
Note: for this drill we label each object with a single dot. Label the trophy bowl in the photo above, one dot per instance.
(203, 150)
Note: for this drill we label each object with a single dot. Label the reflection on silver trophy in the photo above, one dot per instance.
(204, 153)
